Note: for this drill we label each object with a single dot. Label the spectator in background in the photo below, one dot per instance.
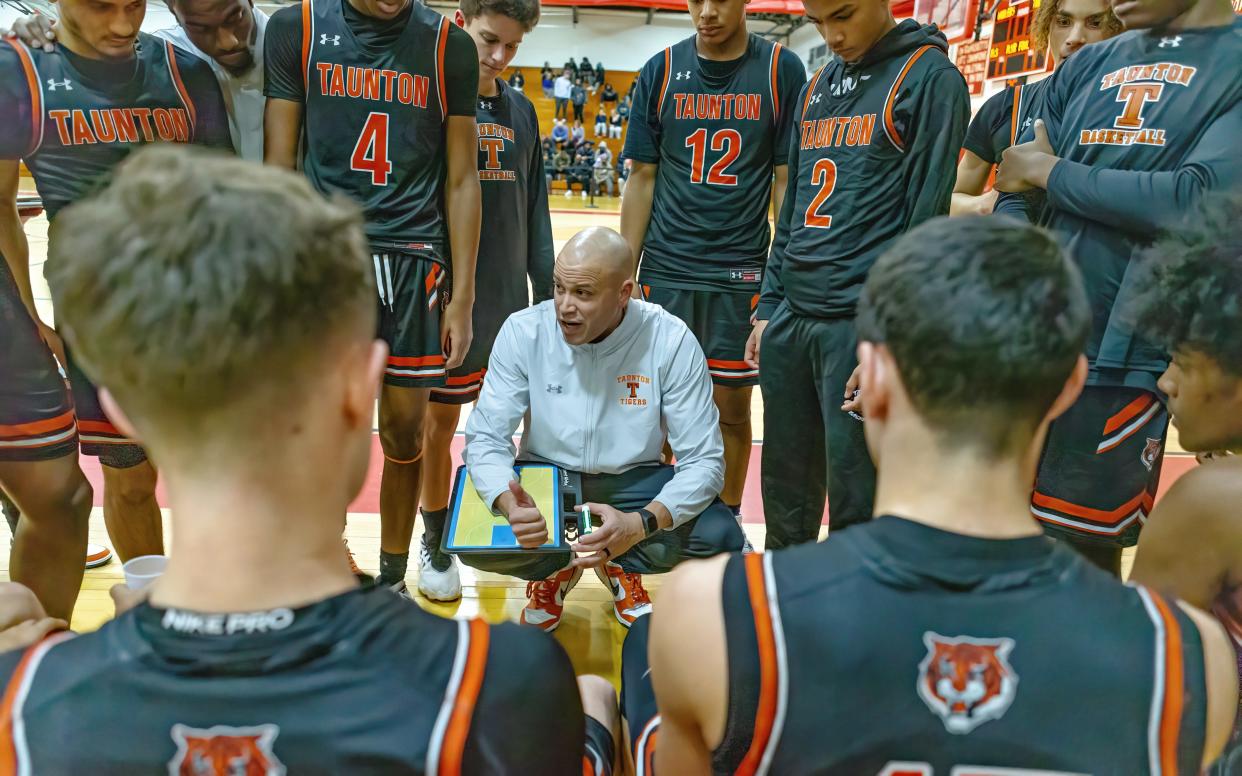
(560, 164)
(547, 81)
(560, 133)
(578, 134)
(624, 108)
(615, 124)
(517, 80)
(585, 70)
(603, 168)
(578, 97)
(600, 73)
(601, 123)
(561, 91)
(581, 169)
(572, 67)
(549, 159)
(608, 99)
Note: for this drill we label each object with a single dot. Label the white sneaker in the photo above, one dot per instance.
(442, 586)
(568, 193)
(97, 555)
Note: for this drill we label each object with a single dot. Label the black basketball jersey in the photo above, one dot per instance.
(374, 118)
(900, 649)
(364, 682)
(73, 119)
(516, 241)
(716, 129)
(1002, 119)
(875, 154)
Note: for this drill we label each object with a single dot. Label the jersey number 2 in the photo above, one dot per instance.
(371, 151)
(727, 140)
(824, 175)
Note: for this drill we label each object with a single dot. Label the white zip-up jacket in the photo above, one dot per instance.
(599, 409)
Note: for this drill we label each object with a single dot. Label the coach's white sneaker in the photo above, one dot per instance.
(436, 584)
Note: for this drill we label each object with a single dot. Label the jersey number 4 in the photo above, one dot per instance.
(371, 151)
(727, 140)
(824, 175)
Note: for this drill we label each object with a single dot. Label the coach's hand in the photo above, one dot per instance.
(753, 343)
(456, 333)
(35, 31)
(1027, 166)
(529, 526)
(619, 532)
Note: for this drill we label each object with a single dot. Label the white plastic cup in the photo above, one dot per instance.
(143, 570)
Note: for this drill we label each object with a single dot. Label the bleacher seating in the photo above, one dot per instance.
(545, 107)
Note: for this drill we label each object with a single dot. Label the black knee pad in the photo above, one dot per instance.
(122, 456)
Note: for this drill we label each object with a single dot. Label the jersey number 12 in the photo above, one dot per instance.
(371, 151)
(727, 140)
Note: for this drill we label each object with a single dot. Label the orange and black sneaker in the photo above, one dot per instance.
(630, 599)
(546, 599)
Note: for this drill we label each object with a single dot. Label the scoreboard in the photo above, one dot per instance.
(1012, 53)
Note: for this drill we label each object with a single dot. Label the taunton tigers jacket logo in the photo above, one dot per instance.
(967, 681)
(225, 751)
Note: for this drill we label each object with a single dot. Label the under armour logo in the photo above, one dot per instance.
(486, 105)
(555, 388)
(323, 40)
(1173, 42)
(683, 75)
(53, 85)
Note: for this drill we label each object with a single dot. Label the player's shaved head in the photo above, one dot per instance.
(592, 280)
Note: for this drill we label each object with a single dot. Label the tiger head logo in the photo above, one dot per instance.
(966, 681)
(225, 751)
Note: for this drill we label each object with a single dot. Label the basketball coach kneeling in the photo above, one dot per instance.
(604, 378)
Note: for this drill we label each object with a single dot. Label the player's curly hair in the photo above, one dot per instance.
(986, 318)
(524, 12)
(1047, 12)
(1188, 295)
(195, 279)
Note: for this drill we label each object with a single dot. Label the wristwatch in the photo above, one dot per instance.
(651, 523)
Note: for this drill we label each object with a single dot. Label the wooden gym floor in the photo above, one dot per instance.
(588, 631)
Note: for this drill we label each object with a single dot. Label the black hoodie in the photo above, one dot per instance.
(874, 154)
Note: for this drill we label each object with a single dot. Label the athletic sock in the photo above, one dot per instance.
(433, 528)
(392, 567)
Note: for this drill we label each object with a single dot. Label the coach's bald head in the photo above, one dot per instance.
(593, 278)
